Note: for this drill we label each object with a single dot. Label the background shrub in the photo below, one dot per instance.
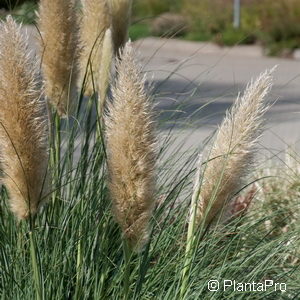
(210, 16)
(152, 8)
(274, 24)
(170, 24)
(280, 24)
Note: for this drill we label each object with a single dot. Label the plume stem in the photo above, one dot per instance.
(35, 262)
(190, 241)
(127, 260)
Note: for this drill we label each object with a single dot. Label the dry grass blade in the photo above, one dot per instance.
(131, 150)
(23, 129)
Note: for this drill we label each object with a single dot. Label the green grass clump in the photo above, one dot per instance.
(74, 249)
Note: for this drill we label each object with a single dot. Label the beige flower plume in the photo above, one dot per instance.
(232, 155)
(23, 127)
(131, 150)
(58, 24)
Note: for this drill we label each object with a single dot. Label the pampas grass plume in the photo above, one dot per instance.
(95, 21)
(23, 130)
(58, 25)
(232, 155)
(131, 150)
(121, 14)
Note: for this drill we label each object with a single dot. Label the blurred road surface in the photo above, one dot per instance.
(201, 81)
(195, 83)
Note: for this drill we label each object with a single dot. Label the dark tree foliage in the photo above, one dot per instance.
(10, 4)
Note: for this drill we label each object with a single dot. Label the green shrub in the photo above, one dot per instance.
(280, 24)
(138, 30)
(231, 36)
(197, 36)
(155, 7)
(210, 16)
(169, 24)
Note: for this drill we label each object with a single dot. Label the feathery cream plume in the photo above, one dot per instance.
(131, 150)
(121, 14)
(59, 46)
(105, 69)
(233, 151)
(23, 127)
(95, 21)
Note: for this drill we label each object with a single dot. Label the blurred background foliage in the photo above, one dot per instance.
(274, 24)
(10, 3)
(22, 10)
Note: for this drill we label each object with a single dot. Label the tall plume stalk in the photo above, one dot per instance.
(121, 14)
(58, 25)
(23, 128)
(131, 150)
(104, 70)
(229, 161)
(234, 148)
(95, 21)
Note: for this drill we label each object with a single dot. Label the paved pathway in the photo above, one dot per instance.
(196, 82)
(204, 80)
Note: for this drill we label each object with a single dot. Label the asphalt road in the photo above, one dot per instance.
(195, 83)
